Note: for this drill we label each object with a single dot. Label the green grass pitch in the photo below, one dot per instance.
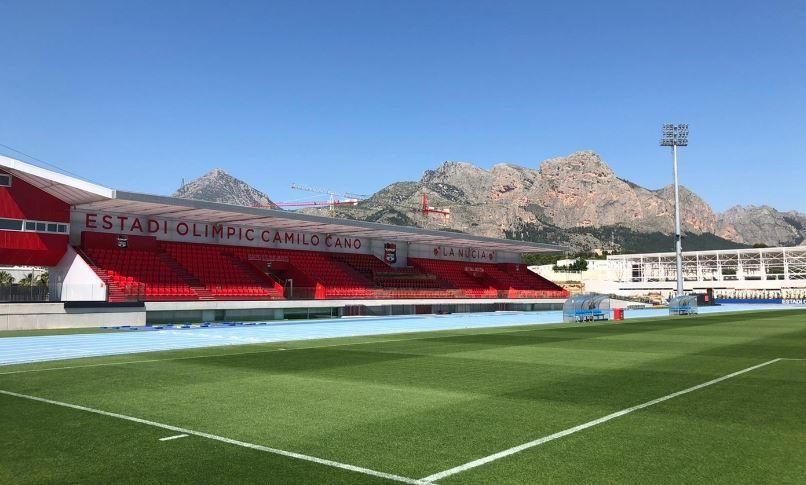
(414, 405)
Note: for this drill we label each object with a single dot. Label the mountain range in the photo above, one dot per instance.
(575, 200)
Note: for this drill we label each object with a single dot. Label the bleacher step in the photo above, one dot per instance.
(201, 291)
(260, 278)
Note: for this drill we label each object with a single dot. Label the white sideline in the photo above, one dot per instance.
(291, 454)
(589, 424)
(174, 437)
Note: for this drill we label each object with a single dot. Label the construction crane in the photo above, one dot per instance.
(333, 201)
(427, 209)
(332, 193)
(317, 203)
(351, 198)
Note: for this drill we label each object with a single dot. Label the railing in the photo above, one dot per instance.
(12, 294)
(533, 294)
(137, 292)
(61, 291)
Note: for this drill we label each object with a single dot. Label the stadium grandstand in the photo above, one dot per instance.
(178, 258)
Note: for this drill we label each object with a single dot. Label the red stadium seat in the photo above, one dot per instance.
(182, 271)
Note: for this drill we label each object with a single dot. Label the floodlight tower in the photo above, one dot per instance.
(676, 136)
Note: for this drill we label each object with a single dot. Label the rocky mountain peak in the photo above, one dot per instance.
(577, 163)
(686, 194)
(581, 190)
(219, 186)
(744, 209)
(216, 172)
(448, 170)
(458, 181)
(696, 215)
(751, 224)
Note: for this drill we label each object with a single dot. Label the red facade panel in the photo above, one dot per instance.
(30, 248)
(102, 240)
(24, 201)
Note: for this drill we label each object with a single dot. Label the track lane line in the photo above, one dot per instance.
(222, 439)
(584, 426)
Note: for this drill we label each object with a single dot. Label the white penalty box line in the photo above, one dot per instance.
(243, 444)
(560, 434)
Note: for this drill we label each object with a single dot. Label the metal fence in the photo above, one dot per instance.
(139, 292)
(12, 294)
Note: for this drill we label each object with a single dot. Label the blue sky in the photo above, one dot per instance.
(355, 95)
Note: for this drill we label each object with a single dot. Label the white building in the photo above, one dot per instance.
(733, 273)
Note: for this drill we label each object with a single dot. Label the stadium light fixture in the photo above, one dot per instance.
(676, 136)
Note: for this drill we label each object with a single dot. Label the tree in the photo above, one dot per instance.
(27, 280)
(538, 259)
(32, 280)
(578, 266)
(6, 279)
(581, 264)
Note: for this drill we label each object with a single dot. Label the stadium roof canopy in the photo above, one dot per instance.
(89, 196)
(72, 190)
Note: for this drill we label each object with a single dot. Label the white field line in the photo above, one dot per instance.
(275, 451)
(589, 424)
(174, 437)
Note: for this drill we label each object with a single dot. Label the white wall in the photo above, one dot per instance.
(73, 280)
(35, 316)
(598, 270)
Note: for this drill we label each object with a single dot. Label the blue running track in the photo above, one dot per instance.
(20, 350)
